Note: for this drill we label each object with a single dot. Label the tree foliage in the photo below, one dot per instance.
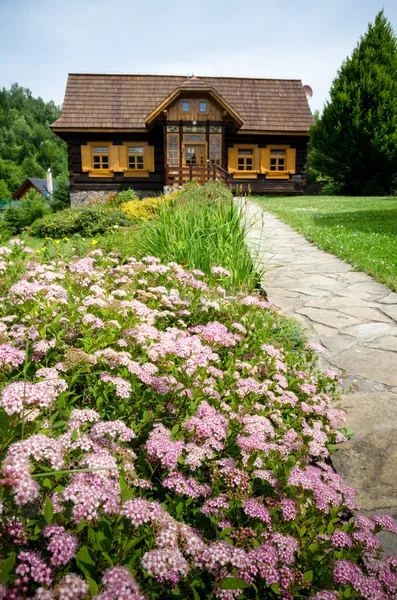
(27, 144)
(354, 142)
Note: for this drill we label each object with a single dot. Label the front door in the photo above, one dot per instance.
(194, 154)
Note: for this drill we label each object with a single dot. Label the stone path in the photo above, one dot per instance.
(355, 319)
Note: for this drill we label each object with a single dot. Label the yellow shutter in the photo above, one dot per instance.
(291, 160)
(232, 160)
(149, 158)
(265, 160)
(86, 158)
(257, 159)
(114, 158)
(122, 158)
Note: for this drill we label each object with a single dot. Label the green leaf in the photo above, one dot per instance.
(47, 483)
(175, 429)
(92, 585)
(233, 583)
(48, 511)
(308, 576)
(6, 567)
(4, 422)
(75, 435)
(195, 593)
(85, 562)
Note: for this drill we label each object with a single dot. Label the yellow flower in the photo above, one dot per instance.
(65, 239)
(44, 248)
(94, 242)
(37, 251)
(57, 241)
(48, 238)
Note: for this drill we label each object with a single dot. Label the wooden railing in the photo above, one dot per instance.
(180, 174)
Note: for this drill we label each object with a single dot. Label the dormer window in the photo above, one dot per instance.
(185, 106)
(203, 107)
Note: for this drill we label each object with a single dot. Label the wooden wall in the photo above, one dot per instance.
(214, 111)
(261, 185)
(80, 181)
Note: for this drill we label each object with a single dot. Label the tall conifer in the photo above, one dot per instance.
(355, 140)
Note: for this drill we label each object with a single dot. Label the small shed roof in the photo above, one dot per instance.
(125, 101)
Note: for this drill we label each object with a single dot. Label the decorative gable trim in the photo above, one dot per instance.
(236, 117)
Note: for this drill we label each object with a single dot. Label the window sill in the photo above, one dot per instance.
(136, 173)
(100, 173)
(277, 174)
(245, 174)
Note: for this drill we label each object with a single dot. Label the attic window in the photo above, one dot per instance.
(245, 160)
(136, 157)
(185, 106)
(277, 160)
(203, 107)
(100, 157)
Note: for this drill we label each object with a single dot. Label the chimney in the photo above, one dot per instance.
(49, 181)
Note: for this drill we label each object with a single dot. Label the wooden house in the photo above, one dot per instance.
(40, 185)
(151, 131)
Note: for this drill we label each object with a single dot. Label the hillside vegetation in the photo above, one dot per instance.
(27, 145)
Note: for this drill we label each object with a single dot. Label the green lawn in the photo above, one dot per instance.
(362, 231)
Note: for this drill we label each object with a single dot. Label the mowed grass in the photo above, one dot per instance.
(361, 231)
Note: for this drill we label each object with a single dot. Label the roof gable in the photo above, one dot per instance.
(195, 86)
(124, 101)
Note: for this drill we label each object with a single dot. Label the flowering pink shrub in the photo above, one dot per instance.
(162, 438)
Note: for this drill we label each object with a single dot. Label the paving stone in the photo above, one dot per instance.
(369, 330)
(349, 293)
(389, 299)
(339, 303)
(367, 314)
(369, 413)
(311, 292)
(368, 463)
(332, 318)
(391, 311)
(356, 276)
(337, 342)
(387, 342)
(371, 287)
(323, 330)
(378, 365)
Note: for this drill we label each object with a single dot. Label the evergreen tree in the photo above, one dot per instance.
(354, 142)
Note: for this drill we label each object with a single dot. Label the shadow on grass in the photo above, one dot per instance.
(382, 221)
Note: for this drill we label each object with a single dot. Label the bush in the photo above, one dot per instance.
(20, 215)
(158, 435)
(142, 210)
(87, 222)
(124, 196)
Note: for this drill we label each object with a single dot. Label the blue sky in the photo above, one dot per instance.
(41, 41)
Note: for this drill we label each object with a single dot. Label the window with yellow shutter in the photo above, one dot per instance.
(137, 159)
(98, 159)
(244, 161)
(278, 161)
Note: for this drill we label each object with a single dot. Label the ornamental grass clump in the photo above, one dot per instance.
(202, 227)
(163, 439)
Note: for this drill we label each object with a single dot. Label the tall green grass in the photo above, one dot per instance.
(201, 228)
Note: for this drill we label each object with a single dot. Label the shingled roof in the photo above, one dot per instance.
(124, 101)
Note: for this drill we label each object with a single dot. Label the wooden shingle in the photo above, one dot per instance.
(124, 101)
